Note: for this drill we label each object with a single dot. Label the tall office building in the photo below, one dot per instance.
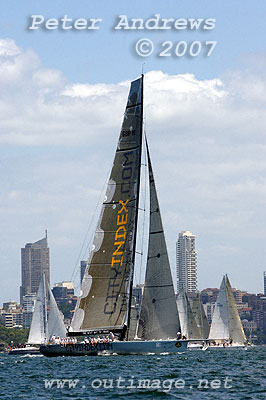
(34, 261)
(264, 277)
(186, 262)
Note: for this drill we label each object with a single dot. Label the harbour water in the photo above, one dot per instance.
(216, 374)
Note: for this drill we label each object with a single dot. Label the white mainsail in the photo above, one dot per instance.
(226, 323)
(38, 328)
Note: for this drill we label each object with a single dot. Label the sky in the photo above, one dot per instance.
(62, 99)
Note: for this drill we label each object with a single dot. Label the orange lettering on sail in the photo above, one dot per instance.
(121, 221)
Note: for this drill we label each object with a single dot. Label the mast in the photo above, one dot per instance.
(137, 211)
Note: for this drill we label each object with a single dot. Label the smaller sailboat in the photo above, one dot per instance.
(44, 325)
(193, 321)
(226, 328)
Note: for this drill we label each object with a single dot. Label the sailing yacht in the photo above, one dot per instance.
(226, 330)
(105, 305)
(193, 321)
(43, 326)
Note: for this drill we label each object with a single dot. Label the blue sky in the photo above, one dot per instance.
(62, 97)
(106, 55)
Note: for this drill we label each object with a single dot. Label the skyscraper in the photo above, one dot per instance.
(34, 261)
(186, 262)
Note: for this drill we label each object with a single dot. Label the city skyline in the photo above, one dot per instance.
(35, 248)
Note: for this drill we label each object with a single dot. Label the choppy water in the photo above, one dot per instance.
(235, 374)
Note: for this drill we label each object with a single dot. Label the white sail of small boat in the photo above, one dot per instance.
(200, 318)
(38, 328)
(105, 303)
(42, 327)
(55, 323)
(226, 326)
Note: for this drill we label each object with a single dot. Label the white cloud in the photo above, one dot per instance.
(8, 47)
(207, 140)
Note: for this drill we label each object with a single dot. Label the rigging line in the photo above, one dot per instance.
(75, 271)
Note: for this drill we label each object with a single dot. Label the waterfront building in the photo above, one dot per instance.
(11, 315)
(264, 280)
(28, 302)
(64, 295)
(63, 290)
(186, 262)
(35, 260)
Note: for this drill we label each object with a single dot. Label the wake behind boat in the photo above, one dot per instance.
(105, 304)
(26, 349)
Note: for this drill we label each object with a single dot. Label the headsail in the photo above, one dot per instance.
(158, 316)
(38, 328)
(104, 303)
(237, 333)
(55, 322)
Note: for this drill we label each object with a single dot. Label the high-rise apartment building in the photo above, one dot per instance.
(34, 261)
(186, 262)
